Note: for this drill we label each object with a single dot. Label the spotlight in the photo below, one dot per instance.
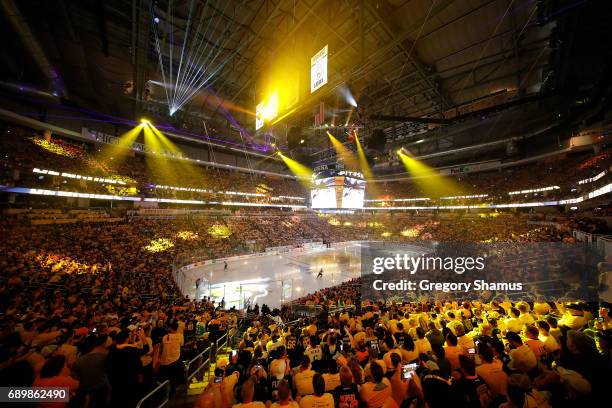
(145, 121)
(302, 141)
(156, 20)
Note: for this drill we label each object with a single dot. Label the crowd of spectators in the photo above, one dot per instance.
(428, 353)
(93, 306)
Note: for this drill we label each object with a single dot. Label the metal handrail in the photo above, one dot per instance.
(166, 385)
(206, 362)
(217, 343)
(199, 368)
(193, 360)
(196, 357)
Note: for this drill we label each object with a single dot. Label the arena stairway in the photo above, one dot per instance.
(186, 395)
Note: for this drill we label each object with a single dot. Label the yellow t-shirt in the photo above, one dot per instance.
(541, 308)
(331, 381)
(513, 324)
(171, 348)
(423, 346)
(311, 401)
(303, 382)
(452, 355)
(522, 359)
(374, 395)
(572, 322)
(408, 355)
(290, 404)
(387, 356)
(368, 373)
(493, 374)
(254, 404)
(550, 343)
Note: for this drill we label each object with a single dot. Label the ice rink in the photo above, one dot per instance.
(275, 279)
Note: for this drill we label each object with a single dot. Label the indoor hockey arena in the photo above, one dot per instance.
(305, 203)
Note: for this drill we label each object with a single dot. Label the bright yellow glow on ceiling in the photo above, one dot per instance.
(271, 108)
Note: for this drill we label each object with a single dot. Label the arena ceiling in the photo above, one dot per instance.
(415, 58)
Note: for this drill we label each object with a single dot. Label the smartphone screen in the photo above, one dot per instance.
(472, 351)
(218, 379)
(408, 370)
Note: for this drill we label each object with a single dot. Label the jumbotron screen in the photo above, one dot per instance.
(338, 192)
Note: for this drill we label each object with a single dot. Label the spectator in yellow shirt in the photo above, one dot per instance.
(422, 344)
(573, 318)
(320, 399)
(373, 358)
(522, 357)
(284, 397)
(532, 341)
(513, 323)
(409, 351)
(374, 393)
(302, 381)
(491, 371)
(452, 351)
(551, 345)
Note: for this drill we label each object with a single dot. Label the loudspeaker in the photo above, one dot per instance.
(293, 137)
(377, 140)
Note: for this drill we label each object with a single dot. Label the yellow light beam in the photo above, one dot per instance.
(166, 143)
(159, 166)
(117, 152)
(191, 170)
(365, 168)
(345, 154)
(363, 162)
(429, 180)
(303, 173)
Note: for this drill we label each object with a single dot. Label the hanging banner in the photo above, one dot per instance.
(318, 70)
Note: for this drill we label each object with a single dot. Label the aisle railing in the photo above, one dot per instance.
(161, 389)
(202, 359)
